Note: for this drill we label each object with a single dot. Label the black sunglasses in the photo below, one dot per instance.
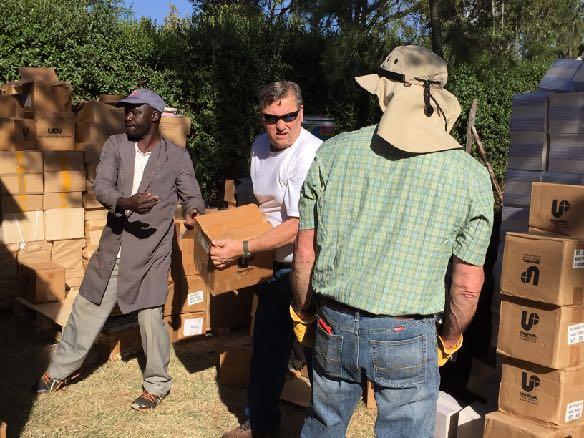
(272, 119)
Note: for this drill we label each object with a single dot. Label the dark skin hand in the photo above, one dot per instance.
(142, 126)
(140, 203)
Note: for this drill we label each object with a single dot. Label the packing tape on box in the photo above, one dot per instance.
(20, 161)
(63, 200)
(66, 181)
(22, 243)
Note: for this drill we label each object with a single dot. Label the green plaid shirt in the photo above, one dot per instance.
(387, 222)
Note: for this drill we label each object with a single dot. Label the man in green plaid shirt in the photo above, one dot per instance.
(382, 212)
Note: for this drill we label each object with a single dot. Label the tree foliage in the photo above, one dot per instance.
(212, 65)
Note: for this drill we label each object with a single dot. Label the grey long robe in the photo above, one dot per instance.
(146, 239)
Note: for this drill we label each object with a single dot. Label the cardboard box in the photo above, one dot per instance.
(96, 215)
(18, 203)
(22, 184)
(26, 226)
(44, 282)
(296, 390)
(546, 335)
(90, 139)
(73, 283)
(34, 252)
(10, 107)
(231, 309)
(183, 251)
(186, 295)
(68, 253)
(471, 420)
(55, 131)
(62, 200)
(110, 119)
(502, 425)
(91, 174)
(234, 363)
(20, 162)
(64, 223)
(241, 223)
(94, 225)
(175, 129)
(111, 99)
(57, 161)
(229, 196)
(558, 208)
(543, 268)
(186, 325)
(43, 91)
(446, 421)
(549, 396)
(17, 134)
(90, 202)
(65, 181)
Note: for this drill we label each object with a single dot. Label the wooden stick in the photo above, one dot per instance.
(487, 163)
(471, 122)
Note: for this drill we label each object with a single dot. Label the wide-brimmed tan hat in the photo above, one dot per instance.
(418, 113)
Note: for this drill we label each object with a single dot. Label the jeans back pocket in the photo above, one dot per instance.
(328, 350)
(400, 363)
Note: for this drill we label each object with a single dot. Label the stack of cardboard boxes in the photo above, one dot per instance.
(42, 180)
(541, 336)
(547, 134)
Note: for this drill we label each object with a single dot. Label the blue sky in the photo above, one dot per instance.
(158, 9)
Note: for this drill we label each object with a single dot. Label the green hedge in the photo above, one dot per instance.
(212, 67)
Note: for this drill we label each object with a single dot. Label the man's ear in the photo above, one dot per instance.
(156, 116)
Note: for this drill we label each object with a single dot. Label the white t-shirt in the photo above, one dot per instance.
(278, 177)
(140, 161)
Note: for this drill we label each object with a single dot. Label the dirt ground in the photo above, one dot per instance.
(99, 405)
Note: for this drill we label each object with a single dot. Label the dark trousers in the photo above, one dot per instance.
(272, 346)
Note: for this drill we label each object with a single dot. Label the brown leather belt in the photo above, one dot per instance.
(344, 308)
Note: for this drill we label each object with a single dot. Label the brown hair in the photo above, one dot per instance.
(279, 90)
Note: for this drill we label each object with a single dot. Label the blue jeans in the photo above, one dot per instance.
(397, 355)
(272, 346)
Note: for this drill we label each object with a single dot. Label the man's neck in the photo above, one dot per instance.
(149, 141)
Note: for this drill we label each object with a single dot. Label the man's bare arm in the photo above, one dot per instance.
(304, 258)
(467, 282)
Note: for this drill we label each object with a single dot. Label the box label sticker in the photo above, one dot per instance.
(576, 333)
(578, 259)
(574, 410)
(193, 326)
(195, 297)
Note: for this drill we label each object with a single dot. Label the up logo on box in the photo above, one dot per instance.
(558, 209)
(530, 275)
(55, 130)
(529, 320)
(529, 383)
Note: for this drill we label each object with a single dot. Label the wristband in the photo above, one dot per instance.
(246, 254)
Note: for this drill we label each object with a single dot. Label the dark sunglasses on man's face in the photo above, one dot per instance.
(272, 119)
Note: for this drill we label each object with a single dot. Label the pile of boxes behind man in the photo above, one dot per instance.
(51, 222)
(541, 335)
(541, 272)
(547, 145)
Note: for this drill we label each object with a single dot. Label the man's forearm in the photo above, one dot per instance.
(467, 281)
(304, 258)
(279, 236)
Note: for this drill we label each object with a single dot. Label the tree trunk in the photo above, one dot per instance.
(436, 27)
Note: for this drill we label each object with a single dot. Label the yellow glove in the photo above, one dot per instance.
(303, 326)
(445, 353)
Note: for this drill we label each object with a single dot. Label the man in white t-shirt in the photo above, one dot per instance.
(280, 160)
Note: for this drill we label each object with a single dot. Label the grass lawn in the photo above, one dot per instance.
(99, 405)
